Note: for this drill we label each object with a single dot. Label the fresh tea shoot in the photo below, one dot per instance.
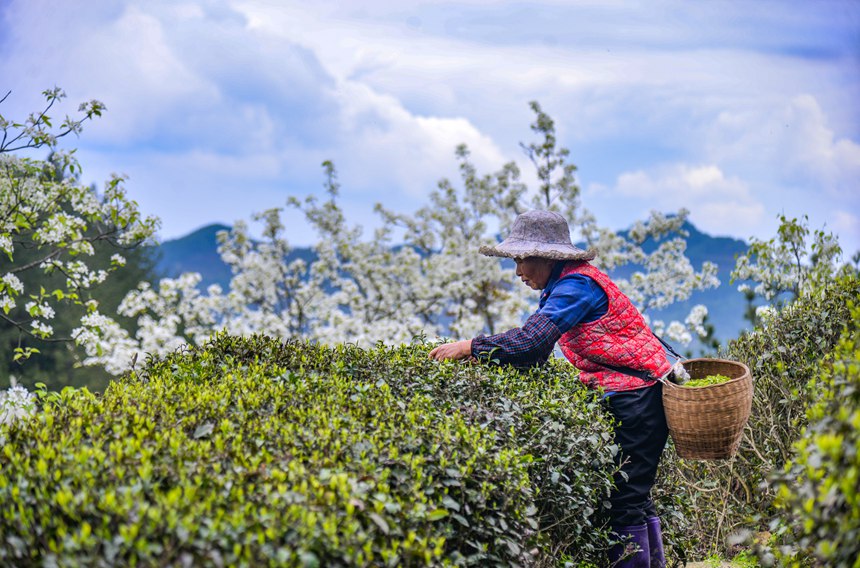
(255, 452)
(708, 381)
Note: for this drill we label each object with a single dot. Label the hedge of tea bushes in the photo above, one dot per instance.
(786, 357)
(818, 493)
(254, 452)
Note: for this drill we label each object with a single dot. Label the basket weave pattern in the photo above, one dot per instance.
(706, 423)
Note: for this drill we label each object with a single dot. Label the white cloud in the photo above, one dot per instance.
(718, 204)
(120, 56)
(795, 162)
(218, 92)
(792, 143)
(741, 219)
(682, 183)
(846, 221)
(142, 81)
(847, 225)
(384, 144)
(374, 40)
(811, 149)
(222, 96)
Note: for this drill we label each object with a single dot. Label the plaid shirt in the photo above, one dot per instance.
(565, 302)
(524, 346)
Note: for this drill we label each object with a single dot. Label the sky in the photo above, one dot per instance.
(217, 109)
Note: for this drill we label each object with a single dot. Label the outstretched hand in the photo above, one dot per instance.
(457, 350)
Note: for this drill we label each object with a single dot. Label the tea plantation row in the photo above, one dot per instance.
(254, 452)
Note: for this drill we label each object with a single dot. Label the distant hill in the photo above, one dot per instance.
(725, 304)
(197, 252)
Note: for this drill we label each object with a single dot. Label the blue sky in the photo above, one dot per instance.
(738, 111)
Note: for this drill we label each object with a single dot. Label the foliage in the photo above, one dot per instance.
(787, 263)
(818, 493)
(57, 364)
(50, 226)
(251, 451)
(784, 355)
(732, 502)
(433, 282)
(742, 560)
(707, 381)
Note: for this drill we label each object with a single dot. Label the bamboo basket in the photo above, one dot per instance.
(706, 423)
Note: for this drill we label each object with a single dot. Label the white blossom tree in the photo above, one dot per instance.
(795, 262)
(791, 262)
(37, 131)
(432, 282)
(47, 214)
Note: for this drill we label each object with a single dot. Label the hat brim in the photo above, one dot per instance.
(516, 249)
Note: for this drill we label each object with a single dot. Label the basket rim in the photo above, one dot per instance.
(746, 375)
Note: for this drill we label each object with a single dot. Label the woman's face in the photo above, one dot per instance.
(535, 271)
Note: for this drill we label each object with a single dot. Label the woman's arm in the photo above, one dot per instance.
(523, 346)
(574, 299)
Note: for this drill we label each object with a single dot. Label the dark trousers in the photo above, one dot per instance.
(642, 433)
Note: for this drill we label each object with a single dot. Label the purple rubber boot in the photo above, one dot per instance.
(655, 542)
(632, 551)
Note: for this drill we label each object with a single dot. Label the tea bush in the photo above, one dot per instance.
(819, 492)
(256, 452)
(785, 357)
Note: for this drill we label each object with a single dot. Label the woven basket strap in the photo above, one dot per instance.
(644, 375)
(668, 347)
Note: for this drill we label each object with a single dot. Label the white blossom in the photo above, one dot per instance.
(6, 244)
(677, 332)
(657, 326)
(16, 403)
(60, 227)
(81, 247)
(765, 314)
(790, 262)
(80, 275)
(363, 291)
(41, 329)
(13, 283)
(40, 309)
(696, 319)
(105, 343)
(86, 203)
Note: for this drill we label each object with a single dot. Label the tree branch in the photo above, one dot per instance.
(20, 326)
(35, 263)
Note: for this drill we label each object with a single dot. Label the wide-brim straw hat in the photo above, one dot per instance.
(544, 234)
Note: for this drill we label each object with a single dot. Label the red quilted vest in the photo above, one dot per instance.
(620, 338)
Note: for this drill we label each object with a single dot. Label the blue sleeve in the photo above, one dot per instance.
(575, 299)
